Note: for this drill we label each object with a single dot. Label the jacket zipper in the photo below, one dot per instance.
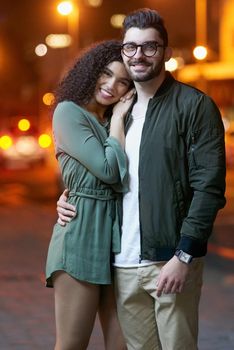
(139, 196)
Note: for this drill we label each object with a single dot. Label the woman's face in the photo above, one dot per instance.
(113, 83)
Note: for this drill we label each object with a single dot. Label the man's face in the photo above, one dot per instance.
(140, 67)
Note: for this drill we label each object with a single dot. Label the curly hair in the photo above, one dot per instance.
(78, 85)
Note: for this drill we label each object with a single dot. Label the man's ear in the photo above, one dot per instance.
(168, 53)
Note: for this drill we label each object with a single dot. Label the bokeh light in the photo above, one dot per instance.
(5, 142)
(117, 20)
(94, 3)
(65, 8)
(41, 50)
(44, 140)
(57, 41)
(24, 124)
(48, 98)
(200, 52)
(174, 63)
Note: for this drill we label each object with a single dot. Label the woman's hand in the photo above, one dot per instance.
(121, 108)
(128, 95)
(117, 120)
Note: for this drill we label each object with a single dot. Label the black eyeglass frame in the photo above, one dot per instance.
(157, 45)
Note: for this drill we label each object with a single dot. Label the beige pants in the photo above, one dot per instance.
(169, 322)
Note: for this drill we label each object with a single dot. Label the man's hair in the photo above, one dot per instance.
(146, 18)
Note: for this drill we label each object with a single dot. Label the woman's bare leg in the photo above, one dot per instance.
(113, 336)
(76, 304)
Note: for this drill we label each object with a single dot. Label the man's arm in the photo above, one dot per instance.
(66, 211)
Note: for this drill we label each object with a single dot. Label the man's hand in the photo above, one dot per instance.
(172, 277)
(66, 211)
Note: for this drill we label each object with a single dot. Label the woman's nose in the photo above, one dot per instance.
(111, 82)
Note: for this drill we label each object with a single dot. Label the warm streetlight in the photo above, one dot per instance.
(58, 41)
(48, 98)
(65, 8)
(94, 3)
(24, 124)
(5, 142)
(41, 50)
(44, 140)
(174, 63)
(70, 9)
(117, 20)
(201, 22)
(200, 52)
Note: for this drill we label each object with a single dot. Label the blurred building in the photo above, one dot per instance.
(216, 76)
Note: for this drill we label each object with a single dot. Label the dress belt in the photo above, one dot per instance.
(116, 211)
(95, 195)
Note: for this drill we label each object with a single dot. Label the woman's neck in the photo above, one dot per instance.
(97, 110)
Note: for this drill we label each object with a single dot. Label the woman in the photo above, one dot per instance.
(94, 170)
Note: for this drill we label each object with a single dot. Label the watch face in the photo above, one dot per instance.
(185, 257)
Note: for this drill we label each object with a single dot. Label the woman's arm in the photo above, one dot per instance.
(117, 120)
(79, 137)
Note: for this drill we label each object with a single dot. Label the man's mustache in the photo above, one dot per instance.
(140, 61)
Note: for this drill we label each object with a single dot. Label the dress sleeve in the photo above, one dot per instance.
(76, 136)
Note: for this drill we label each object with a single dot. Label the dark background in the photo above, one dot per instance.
(24, 77)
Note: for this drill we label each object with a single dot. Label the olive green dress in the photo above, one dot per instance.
(94, 169)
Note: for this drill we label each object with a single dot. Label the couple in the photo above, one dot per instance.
(161, 150)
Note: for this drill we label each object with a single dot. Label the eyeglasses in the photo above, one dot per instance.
(149, 48)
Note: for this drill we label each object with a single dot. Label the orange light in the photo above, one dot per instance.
(225, 252)
(5, 142)
(65, 8)
(24, 124)
(44, 140)
(48, 99)
(117, 20)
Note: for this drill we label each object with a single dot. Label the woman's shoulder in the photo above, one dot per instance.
(76, 113)
(69, 109)
(68, 106)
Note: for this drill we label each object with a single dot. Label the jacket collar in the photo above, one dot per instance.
(165, 86)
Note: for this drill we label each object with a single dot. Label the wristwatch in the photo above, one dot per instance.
(184, 257)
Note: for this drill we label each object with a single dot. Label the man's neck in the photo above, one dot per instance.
(147, 89)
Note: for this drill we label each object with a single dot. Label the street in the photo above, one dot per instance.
(27, 214)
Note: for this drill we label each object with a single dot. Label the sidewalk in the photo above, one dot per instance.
(26, 306)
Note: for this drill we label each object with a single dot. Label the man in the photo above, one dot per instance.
(175, 148)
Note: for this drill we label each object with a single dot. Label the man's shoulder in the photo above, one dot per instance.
(191, 94)
(189, 89)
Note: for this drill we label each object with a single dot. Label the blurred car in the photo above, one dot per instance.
(21, 143)
(229, 144)
(22, 151)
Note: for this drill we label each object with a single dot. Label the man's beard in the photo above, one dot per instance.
(152, 73)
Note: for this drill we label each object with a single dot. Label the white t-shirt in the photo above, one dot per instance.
(130, 241)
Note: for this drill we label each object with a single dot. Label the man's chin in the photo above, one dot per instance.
(140, 78)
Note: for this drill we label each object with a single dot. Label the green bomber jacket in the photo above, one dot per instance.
(181, 171)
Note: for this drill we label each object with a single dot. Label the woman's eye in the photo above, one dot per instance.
(124, 83)
(106, 72)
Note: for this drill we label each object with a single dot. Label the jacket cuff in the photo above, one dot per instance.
(193, 247)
